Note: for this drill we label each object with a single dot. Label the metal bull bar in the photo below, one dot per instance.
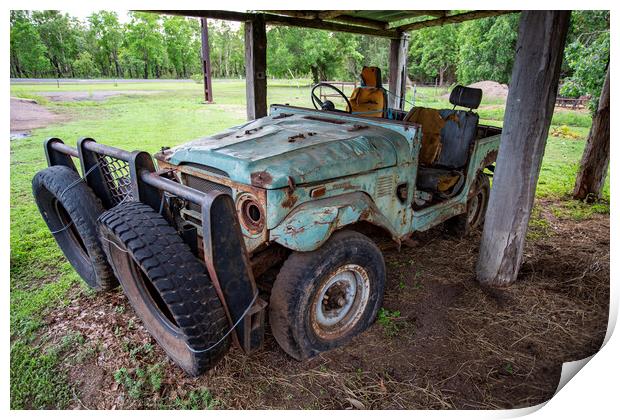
(124, 175)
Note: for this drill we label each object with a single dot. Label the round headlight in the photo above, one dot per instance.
(250, 213)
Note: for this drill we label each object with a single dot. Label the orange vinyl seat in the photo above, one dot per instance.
(370, 99)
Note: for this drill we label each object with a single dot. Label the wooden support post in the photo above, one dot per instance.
(256, 67)
(529, 108)
(399, 48)
(206, 60)
(595, 160)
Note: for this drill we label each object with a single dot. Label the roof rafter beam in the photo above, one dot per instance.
(283, 20)
(336, 16)
(461, 17)
(329, 14)
(210, 14)
(329, 26)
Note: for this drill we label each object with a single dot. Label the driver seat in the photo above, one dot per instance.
(370, 99)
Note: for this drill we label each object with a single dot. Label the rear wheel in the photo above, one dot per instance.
(322, 299)
(166, 285)
(473, 218)
(70, 209)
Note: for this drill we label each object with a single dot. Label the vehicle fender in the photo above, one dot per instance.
(310, 224)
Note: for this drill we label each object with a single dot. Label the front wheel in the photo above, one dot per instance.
(322, 299)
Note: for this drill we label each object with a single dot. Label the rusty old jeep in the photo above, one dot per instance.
(270, 217)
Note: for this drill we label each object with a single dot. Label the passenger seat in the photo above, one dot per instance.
(444, 155)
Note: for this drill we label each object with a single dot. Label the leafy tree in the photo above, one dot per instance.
(60, 34)
(84, 65)
(146, 42)
(181, 37)
(28, 53)
(587, 55)
(227, 49)
(433, 53)
(373, 51)
(487, 49)
(108, 34)
(324, 55)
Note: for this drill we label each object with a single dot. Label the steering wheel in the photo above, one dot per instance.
(328, 105)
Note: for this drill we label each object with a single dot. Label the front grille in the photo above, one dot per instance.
(117, 178)
(205, 186)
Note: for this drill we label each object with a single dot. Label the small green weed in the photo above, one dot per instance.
(388, 320)
(200, 399)
(140, 382)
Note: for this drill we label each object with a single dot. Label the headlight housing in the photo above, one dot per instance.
(251, 213)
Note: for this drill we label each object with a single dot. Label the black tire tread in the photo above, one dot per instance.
(84, 207)
(294, 271)
(177, 275)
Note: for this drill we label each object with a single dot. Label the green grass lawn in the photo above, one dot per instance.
(41, 277)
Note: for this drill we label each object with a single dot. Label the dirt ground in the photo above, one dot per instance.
(453, 344)
(26, 115)
(491, 89)
(92, 96)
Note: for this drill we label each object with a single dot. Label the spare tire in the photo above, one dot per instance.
(167, 286)
(70, 209)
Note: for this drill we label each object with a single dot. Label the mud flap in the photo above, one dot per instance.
(229, 266)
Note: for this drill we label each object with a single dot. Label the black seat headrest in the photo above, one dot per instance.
(466, 97)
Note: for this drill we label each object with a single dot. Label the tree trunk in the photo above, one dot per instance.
(315, 74)
(595, 160)
(117, 66)
(529, 108)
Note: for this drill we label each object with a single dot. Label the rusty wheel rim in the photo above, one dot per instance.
(340, 301)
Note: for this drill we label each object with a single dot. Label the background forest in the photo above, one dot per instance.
(54, 44)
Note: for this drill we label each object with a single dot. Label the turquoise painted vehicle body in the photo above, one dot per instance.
(286, 206)
(309, 173)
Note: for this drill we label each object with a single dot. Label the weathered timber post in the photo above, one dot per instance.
(206, 60)
(399, 48)
(256, 67)
(529, 108)
(595, 160)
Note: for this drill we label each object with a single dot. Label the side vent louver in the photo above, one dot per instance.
(385, 186)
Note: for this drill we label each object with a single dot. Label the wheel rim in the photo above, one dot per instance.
(340, 301)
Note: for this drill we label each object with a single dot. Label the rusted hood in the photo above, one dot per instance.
(267, 151)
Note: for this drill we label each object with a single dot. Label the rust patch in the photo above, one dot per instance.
(344, 186)
(357, 127)
(290, 201)
(318, 192)
(366, 214)
(270, 257)
(261, 179)
(292, 139)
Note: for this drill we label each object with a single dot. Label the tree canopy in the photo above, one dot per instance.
(54, 44)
